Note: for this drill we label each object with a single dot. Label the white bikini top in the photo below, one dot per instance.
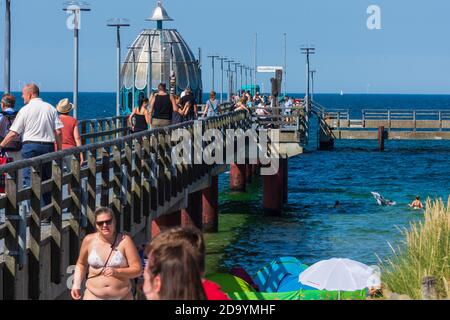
(117, 259)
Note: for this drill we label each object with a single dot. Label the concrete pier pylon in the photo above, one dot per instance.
(274, 190)
(210, 206)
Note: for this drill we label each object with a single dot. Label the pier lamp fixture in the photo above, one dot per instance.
(222, 60)
(242, 67)
(118, 23)
(312, 84)
(230, 77)
(236, 65)
(7, 57)
(213, 58)
(308, 50)
(76, 7)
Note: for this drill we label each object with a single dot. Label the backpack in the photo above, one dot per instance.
(6, 123)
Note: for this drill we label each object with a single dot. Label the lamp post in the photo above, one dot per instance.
(7, 61)
(118, 23)
(307, 50)
(213, 59)
(230, 83)
(236, 65)
(222, 59)
(312, 84)
(76, 8)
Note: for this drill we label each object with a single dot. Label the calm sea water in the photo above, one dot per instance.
(309, 228)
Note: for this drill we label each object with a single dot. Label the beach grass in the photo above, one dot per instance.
(424, 252)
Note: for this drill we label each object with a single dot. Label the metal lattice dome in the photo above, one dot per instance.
(168, 49)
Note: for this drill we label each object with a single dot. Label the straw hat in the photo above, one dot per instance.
(64, 106)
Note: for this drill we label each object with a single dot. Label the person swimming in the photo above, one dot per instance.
(382, 201)
(417, 204)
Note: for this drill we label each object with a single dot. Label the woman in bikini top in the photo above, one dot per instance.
(110, 259)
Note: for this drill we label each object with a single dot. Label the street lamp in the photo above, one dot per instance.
(222, 59)
(213, 57)
(118, 23)
(7, 61)
(76, 8)
(230, 83)
(236, 65)
(312, 84)
(308, 50)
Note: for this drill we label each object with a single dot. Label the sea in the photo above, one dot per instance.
(310, 228)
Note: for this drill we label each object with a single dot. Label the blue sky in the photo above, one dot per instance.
(410, 54)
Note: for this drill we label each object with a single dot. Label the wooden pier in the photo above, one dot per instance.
(135, 175)
(381, 125)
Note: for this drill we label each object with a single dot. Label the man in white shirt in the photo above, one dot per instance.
(39, 126)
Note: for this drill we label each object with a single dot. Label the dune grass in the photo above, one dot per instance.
(425, 252)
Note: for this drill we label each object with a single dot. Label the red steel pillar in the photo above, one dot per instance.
(237, 177)
(210, 203)
(381, 137)
(273, 191)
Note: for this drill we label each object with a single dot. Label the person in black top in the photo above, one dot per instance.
(139, 119)
(189, 101)
(162, 107)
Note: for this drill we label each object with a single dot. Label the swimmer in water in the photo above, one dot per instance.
(417, 204)
(337, 205)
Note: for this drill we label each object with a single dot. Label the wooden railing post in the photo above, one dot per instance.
(137, 182)
(34, 265)
(92, 190)
(104, 198)
(146, 159)
(129, 208)
(56, 223)
(75, 193)
(117, 188)
(11, 253)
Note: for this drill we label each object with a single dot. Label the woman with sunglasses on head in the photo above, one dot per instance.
(111, 260)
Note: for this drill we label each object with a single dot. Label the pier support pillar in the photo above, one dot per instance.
(273, 191)
(285, 179)
(237, 177)
(326, 141)
(165, 222)
(192, 215)
(381, 137)
(210, 203)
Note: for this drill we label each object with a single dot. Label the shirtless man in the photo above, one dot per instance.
(417, 204)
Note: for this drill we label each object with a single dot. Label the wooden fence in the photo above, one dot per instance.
(137, 178)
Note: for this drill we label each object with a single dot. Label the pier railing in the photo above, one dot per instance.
(389, 118)
(134, 174)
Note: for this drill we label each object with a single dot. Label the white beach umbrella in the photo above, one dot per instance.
(338, 275)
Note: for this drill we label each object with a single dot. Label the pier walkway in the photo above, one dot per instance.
(134, 174)
(381, 124)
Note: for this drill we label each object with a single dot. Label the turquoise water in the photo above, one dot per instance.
(309, 228)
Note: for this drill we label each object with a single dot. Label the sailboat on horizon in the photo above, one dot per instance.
(342, 93)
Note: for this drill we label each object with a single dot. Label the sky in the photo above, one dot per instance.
(409, 54)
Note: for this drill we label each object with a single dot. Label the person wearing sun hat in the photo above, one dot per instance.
(70, 133)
